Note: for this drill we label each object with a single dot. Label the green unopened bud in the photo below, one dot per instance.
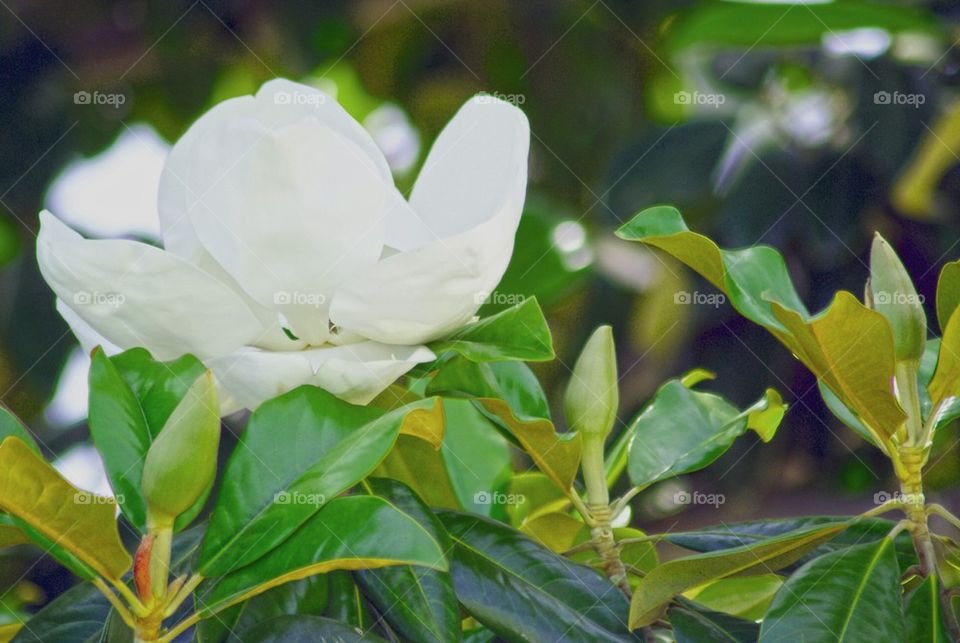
(592, 399)
(182, 462)
(893, 295)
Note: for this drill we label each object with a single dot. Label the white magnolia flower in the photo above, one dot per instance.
(289, 255)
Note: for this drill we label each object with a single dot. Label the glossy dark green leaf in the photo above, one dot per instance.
(76, 615)
(131, 397)
(657, 588)
(747, 533)
(350, 532)
(517, 333)
(923, 615)
(695, 624)
(158, 386)
(303, 628)
(524, 592)
(346, 603)
(512, 382)
(305, 596)
(684, 430)
(850, 595)
(298, 451)
(418, 603)
(10, 424)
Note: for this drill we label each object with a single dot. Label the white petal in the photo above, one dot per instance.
(356, 373)
(467, 203)
(133, 294)
(278, 103)
(88, 337)
(288, 213)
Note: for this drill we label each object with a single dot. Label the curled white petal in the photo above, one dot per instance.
(456, 238)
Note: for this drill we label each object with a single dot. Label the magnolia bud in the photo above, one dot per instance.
(592, 398)
(893, 295)
(182, 462)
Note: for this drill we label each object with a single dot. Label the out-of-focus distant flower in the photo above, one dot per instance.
(83, 468)
(395, 135)
(291, 258)
(114, 194)
(69, 403)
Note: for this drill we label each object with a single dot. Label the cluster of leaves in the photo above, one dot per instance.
(331, 519)
(335, 521)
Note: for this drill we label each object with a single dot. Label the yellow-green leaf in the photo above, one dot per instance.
(426, 424)
(556, 454)
(658, 587)
(948, 293)
(945, 382)
(74, 522)
(850, 348)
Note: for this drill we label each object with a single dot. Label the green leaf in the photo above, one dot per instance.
(477, 458)
(510, 396)
(759, 287)
(305, 596)
(694, 624)
(131, 397)
(418, 603)
(76, 615)
(948, 293)
(733, 535)
(923, 615)
(346, 603)
(746, 597)
(303, 627)
(676, 576)
(76, 527)
(683, 430)
(848, 595)
(10, 424)
(351, 532)
(517, 333)
(298, 451)
(762, 25)
(524, 592)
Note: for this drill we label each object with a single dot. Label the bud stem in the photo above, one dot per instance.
(908, 394)
(600, 514)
